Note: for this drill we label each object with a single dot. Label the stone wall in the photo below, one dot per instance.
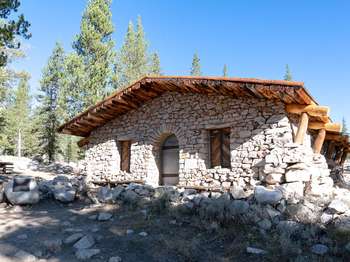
(257, 127)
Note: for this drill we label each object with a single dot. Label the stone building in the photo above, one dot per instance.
(203, 131)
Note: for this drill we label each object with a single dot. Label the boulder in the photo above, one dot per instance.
(338, 206)
(292, 192)
(239, 207)
(1, 193)
(274, 178)
(73, 238)
(237, 192)
(53, 245)
(115, 259)
(104, 216)
(85, 242)
(296, 175)
(267, 196)
(24, 256)
(319, 249)
(64, 194)
(85, 254)
(105, 195)
(256, 251)
(26, 191)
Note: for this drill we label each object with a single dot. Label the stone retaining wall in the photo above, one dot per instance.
(257, 127)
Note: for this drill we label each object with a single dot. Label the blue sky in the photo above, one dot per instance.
(254, 38)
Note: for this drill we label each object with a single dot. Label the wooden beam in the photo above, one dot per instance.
(83, 142)
(312, 110)
(302, 128)
(329, 127)
(319, 141)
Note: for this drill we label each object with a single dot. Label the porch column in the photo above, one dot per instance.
(330, 150)
(302, 128)
(319, 141)
(344, 156)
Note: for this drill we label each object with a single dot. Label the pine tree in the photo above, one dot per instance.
(19, 129)
(95, 46)
(224, 71)
(288, 74)
(345, 127)
(133, 56)
(155, 65)
(196, 67)
(50, 86)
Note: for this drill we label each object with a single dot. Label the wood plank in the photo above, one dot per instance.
(312, 110)
(329, 127)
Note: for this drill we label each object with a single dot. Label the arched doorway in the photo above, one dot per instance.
(170, 161)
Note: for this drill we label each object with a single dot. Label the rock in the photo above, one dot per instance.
(84, 254)
(347, 247)
(131, 197)
(274, 178)
(1, 193)
(326, 218)
(292, 192)
(256, 251)
(64, 194)
(24, 256)
(92, 217)
(73, 238)
(244, 134)
(338, 206)
(129, 231)
(19, 196)
(105, 195)
(238, 207)
(53, 245)
(289, 226)
(104, 216)
(305, 212)
(143, 234)
(319, 249)
(296, 175)
(237, 192)
(115, 259)
(267, 196)
(22, 236)
(85, 242)
(265, 224)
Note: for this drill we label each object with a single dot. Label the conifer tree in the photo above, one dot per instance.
(133, 58)
(224, 71)
(345, 127)
(95, 46)
(50, 86)
(19, 129)
(196, 67)
(155, 69)
(288, 74)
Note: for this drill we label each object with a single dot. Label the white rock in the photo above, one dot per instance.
(73, 238)
(274, 178)
(85, 242)
(24, 256)
(84, 254)
(143, 234)
(104, 216)
(326, 218)
(129, 231)
(338, 206)
(292, 192)
(115, 259)
(256, 251)
(22, 197)
(267, 196)
(296, 175)
(64, 194)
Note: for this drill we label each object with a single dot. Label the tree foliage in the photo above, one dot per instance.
(196, 67)
(155, 69)
(288, 75)
(48, 111)
(345, 130)
(224, 71)
(10, 28)
(95, 46)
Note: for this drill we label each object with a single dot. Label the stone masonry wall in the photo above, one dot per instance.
(257, 127)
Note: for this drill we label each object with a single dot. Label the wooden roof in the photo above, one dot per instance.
(148, 88)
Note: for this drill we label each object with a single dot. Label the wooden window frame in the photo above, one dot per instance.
(121, 146)
(222, 132)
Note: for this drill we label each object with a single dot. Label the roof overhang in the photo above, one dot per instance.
(148, 88)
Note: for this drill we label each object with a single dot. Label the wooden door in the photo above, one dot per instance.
(170, 161)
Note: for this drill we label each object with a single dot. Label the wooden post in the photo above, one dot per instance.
(344, 156)
(302, 128)
(330, 150)
(339, 155)
(319, 141)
